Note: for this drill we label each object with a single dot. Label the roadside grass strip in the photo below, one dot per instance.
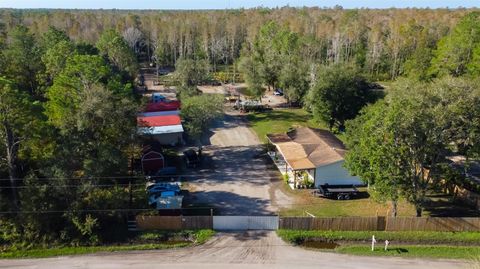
(431, 238)
(417, 251)
(449, 245)
(199, 237)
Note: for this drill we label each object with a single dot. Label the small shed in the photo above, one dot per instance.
(152, 161)
(165, 129)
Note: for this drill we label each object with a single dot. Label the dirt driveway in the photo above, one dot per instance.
(253, 249)
(236, 177)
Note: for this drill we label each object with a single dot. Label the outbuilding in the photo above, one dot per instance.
(165, 129)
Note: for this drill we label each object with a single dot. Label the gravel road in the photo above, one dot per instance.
(236, 177)
(230, 250)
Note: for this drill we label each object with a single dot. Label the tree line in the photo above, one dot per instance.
(384, 43)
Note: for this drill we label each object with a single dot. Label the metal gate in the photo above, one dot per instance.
(245, 222)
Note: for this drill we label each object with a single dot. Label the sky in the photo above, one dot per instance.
(222, 4)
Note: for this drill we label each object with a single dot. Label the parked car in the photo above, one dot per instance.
(278, 92)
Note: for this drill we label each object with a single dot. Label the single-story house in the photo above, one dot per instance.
(312, 155)
(166, 129)
(163, 106)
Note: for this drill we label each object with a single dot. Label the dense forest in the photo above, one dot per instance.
(385, 43)
(68, 105)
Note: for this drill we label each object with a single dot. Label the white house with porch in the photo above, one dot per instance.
(310, 157)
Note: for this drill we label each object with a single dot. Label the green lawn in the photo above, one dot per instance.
(411, 237)
(445, 252)
(62, 251)
(280, 120)
(322, 207)
(138, 243)
(452, 245)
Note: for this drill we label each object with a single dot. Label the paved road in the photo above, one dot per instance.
(230, 250)
(236, 177)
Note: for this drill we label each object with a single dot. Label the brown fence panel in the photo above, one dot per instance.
(159, 222)
(334, 224)
(432, 224)
(197, 222)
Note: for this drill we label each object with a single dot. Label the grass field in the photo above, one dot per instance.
(445, 252)
(139, 243)
(321, 207)
(452, 245)
(410, 237)
(280, 120)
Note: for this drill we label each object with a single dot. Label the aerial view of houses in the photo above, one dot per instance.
(196, 134)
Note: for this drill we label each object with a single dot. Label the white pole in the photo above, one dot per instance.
(373, 242)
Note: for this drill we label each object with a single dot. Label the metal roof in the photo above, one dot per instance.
(159, 113)
(157, 121)
(160, 130)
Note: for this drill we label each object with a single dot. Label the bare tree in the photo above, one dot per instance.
(133, 36)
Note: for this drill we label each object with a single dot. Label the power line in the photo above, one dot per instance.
(106, 177)
(73, 186)
(93, 210)
(75, 211)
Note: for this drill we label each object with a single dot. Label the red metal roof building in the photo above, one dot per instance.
(158, 121)
(166, 129)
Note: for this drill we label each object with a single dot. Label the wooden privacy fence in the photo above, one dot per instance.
(174, 222)
(334, 224)
(433, 224)
(379, 223)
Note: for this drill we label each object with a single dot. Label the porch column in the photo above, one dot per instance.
(294, 179)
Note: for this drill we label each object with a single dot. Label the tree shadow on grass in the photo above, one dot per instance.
(398, 250)
(444, 206)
